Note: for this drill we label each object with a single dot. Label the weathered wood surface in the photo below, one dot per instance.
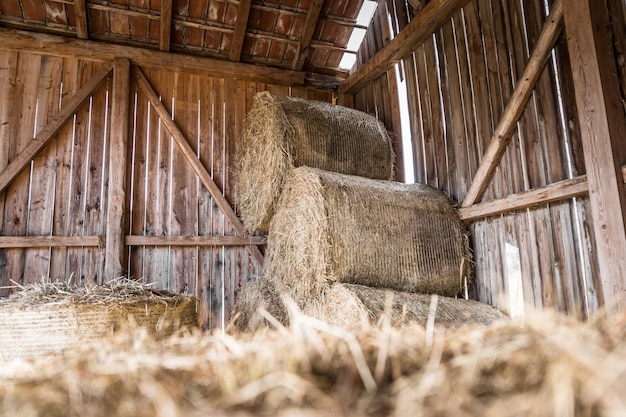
(460, 81)
(603, 128)
(516, 105)
(432, 16)
(98, 51)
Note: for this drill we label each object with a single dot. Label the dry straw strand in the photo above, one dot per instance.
(281, 133)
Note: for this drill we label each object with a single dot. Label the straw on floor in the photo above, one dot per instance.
(548, 366)
(281, 133)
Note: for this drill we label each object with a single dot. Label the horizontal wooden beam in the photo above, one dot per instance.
(557, 191)
(7, 242)
(516, 105)
(194, 161)
(553, 192)
(194, 240)
(45, 44)
(48, 241)
(70, 107)
(432, 16)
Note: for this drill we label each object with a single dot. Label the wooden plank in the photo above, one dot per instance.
(205, 240)
(80, 11)
(53, 127)
(8, 76)
(100, 51)
(184, 204)
(118, 148)
(64, 149)
(206, 266)
(239, 33)
(40, 210)
(192, 158)
(17, 194)
(310, 22)
(603, 127)
(48, 241)
(165, 28)
(431, 17)
(516, 105)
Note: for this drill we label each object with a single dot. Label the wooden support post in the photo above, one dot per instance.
(114, 247)
(193, 160)
(52, 128)
(80, 11)
(243, 11)
(166, 25)
(603, 130)
(514, 109)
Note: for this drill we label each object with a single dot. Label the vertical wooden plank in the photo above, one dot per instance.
(118, 148)
(8, 78)
(17, 194)
(206, 267)
(413, 99)
(78, 180)
(425, 95)
(96, 166)
(184, 220)
(159, 198)
(41, 208)
(64, 148)
(603, 125)
(218, 135)
(229, 151)
(139, 162)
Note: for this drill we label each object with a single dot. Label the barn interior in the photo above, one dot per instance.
(120, 125)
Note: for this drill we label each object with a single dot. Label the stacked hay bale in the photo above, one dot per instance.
(53, 316)
(337, 240)
(286, 132)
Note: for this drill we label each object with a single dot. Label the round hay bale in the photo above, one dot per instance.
(332, 227)
(281, 133)
(403, 308)
(54, 316)
(354, 306)
(336, 306)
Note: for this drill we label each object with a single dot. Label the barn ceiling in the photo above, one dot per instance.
(309, 35)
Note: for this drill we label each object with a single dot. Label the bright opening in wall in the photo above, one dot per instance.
(514, 279)
(358, 34)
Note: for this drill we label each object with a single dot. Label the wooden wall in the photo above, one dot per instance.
(459, 82)
(64, 191)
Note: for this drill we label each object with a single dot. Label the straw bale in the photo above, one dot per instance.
(285, 132)
(56, 315)
(543, 367)
(333, 227)
(355, 306)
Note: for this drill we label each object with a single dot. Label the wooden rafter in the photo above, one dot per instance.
(515, 108)
(432, 16)
(192, 158)
(99, 51)
(239, 34)
(54, 125)
(80, 11)
(307, 33)
(603, 129)
(166, 25)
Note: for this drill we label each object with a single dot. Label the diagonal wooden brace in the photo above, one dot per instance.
(193, 160)
(514, 109)
(54, 125)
